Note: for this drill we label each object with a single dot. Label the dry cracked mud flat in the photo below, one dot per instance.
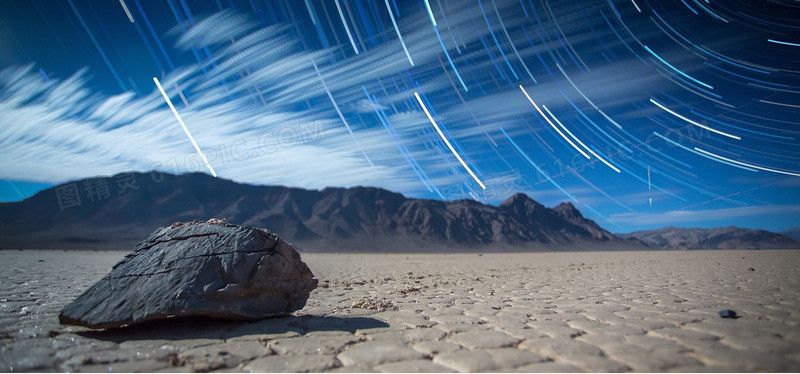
(532, 312)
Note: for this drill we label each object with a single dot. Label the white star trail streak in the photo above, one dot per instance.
(745, 164)
(670, 111)
(586, 98)
(571, 135)
(551, 123)
(430, 12)
(450, 60)
(346, 28)
(668, 140)
(580, 142)
(424, 108)
(511, 42)
(557, 130)
(784, 43)
(180, 93)
(649, 184)
(779, 104)
(710, 12)
(183, 125)
(310, 13)
(125, 8)
(497, 43)
(97, 45)
(394, 23)
(687, 76)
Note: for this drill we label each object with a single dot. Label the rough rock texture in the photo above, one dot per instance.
(209, 269)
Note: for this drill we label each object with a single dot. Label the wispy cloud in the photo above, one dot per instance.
(242, 111)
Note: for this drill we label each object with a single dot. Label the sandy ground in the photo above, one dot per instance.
(586, 311)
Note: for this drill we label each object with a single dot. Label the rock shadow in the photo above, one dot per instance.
(185, 328)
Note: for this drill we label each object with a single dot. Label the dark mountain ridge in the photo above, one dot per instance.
(730, 237)
(117, 212)
(79, 215)
(793, 234)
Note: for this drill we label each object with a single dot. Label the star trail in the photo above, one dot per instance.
(642, 113)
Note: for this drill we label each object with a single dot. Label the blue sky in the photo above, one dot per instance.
(642, 113)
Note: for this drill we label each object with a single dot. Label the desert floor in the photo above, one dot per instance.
(580, 311)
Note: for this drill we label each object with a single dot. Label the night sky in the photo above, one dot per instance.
(642, 113)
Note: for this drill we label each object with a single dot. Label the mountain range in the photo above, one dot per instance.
(717, 238)
(793, 234)
(118, 211)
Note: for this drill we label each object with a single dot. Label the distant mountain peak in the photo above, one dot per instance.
(567, 210)
(521, 204)
(517, 198)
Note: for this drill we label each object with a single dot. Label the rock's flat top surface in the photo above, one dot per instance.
(211, 269)
(585, 311)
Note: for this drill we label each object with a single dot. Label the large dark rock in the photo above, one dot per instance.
(209, 269)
